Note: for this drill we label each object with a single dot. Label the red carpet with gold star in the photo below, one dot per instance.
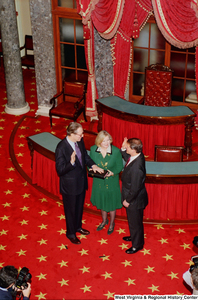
(32, 231)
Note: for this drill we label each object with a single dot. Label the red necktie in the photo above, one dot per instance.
(128, 160)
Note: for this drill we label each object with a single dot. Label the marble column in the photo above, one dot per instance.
(16, 104)
(42, 33)
(103, 66)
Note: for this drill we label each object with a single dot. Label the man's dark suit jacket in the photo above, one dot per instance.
(73, 178)
(133, 182)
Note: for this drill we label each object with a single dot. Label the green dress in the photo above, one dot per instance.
(106, 193)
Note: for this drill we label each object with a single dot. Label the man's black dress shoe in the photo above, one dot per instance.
(83, 231)
(127, 238)
(75, 240)
(133, 250)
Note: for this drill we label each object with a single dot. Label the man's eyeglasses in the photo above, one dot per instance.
(80, 135)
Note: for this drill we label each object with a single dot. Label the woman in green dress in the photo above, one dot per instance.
(106, 194)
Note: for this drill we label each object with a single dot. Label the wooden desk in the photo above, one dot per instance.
(153, 125)
(172, 187)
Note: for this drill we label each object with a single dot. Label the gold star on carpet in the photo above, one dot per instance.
(1, 128)
(173, 275)
(43, 212)
(104, 257)
(42, 242)
(8, 192)
(11, 169)
(86, 288)
(5, 218)
(37, 122)
(146, 251)
(2, 247)
(82, 237)
(61, 217)
(63, 282)
(41, 296)
(1, 264)
(84, 221)
(63, 263)
(34, 90)
(23, 127)
(42, 258)
(163, 241)
(62, 247)
(19, 154)
(109, 295)
(25, 183)
(126, 263)
(53, 132)
(178, 293)
(59, 203)
(24, 222)
(62, 231)
(10, 180)
(154, 288)
(84, 269)
(123, 246)
(180, 230)
(26, 195)
(21, 136)
(2, 120)
(20, 145)
(6, 204)
(41, 276)
(1, 136)
(168, 257)
(37, 130)
(25, 208)
(33, 83)
(32, 96)
(83, 252)
(120, 230)
(185, 246)
(149, 269)
(102, 241)
(3, 232)
(130, 281)
(21, 252)
(159, 226)
(107, 275)
(22, 236)
(43, 200)
(42, 226)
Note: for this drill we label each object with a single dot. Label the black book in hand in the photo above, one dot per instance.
(97, 174)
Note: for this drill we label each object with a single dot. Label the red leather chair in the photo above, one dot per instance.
(168, 153)
(157, 85)
(73, 104)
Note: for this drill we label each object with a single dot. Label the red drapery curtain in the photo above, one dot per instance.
(178, 22)
(134, 17)
(120, 20)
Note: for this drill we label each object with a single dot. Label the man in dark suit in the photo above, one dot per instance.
(71, 161)
(134, 194)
